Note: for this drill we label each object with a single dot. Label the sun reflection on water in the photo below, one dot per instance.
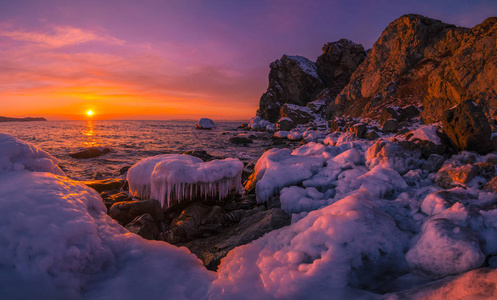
(89, 134)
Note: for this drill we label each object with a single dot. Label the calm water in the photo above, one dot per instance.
(130, 142)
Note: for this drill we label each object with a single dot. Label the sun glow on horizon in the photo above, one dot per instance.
(89, 113)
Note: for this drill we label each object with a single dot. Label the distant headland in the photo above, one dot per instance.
(28, 119)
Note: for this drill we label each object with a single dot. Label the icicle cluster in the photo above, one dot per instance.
(173, 178)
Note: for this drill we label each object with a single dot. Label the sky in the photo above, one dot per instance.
(177, 59)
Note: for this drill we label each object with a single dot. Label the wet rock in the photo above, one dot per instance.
(285, 124)
(125, 212)
(205, 123)
(390, 125)
(90, 153)
(145, 226)
(202, 154)
(467, 127)
(241, 140)
(106, 184)
(114, 196)
(252, 226)
(123, 170)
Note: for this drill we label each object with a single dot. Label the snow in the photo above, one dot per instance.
(282, 134)
(57, 242)
(173, 178)
(205, 123)
(445, 248)
(17, 155)
(426, 133)
(294, 135)
(257, 123)
(346, 244)
(278, 168)
(306, 65)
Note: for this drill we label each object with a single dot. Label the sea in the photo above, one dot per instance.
(130, 141)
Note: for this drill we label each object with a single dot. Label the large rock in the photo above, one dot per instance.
(337, 63)
(292, 79)
(467, 127)
(421, 61)
(144, 226)
(299, 114)
(106, 184)
(205, 123)
(91, 152)
(125, 212)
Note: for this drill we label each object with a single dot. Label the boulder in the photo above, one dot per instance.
(91, 152)
(285, 124)
(433, 163)
(454, 174)
(359, 129)
(202, 154)
(467, 127)
(145, 226)
(390, 125)
(113, 196)
(244, 140)
(298, 114)
(205, 123)
(293, 80)
(125, 212)
(106, 184)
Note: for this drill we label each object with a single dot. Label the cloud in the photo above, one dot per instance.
(61, 36)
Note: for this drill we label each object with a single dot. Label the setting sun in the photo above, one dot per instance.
(89, 113)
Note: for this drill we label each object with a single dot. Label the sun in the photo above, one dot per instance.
(89, 113)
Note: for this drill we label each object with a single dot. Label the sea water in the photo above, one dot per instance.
(130, 141)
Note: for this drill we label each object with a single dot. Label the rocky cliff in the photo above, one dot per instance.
(28, 119)
(416, 61)
(421, 61)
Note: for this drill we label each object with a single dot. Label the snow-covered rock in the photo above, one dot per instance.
(205, 123)
(17, 155)
(172, 177)
(348, 243)
(445, 248)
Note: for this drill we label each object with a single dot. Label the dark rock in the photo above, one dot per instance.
(433, 163)
(467, 127)
(485, 170)
(359, 129)
(202, 154)
(298, 114)
(292, 79)
(125, 212)
(145, 226)
(252, 226)
(124, 169)
(114, 196)
(285, 124)
(371, 135)
(241, 140)
(454, 174)
(105, 184)
(390, 125)
(337, 63)
(90, 153)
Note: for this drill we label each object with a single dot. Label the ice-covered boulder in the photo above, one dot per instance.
(445, 248)
(392, 155)
(172, 177)
(17, 155)
(57, 242)
(205, 123)
(348, 243)
(278, 168)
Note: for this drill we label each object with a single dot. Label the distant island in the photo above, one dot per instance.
(28, 119)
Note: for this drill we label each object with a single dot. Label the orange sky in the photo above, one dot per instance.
(176, 59)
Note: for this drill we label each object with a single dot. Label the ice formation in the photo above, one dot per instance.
(17, 155)
(205, 123)
(172, 177)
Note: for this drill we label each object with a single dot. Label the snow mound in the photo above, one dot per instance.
(392, 155)
(445, 248)
(56, 238)
(205, 123)
(172, 177)
(346, 244)
(17, 155)
(278, 168)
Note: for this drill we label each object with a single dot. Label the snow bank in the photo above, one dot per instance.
(278, 168)
(172, 177)
(348, 243)
(17, 155)
(57, 242)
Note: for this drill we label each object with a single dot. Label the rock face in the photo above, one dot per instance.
(467, 127)
(292, 79)
(298, 114)
(421, 61)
